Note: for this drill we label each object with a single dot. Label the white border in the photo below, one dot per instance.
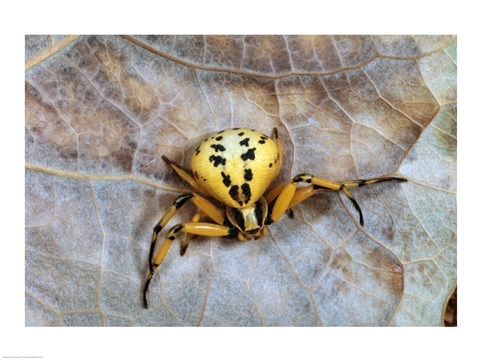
(251, 17)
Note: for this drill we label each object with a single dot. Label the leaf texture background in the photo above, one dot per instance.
(101, 111)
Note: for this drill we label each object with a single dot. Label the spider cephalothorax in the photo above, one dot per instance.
(236, 167)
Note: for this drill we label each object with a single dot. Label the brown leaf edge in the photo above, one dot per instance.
(450, 313)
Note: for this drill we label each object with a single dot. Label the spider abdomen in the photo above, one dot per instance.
(236, 166)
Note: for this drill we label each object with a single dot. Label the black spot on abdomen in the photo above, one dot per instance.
(234, 192)
(244, 142)
(250, 154)
(246, 192)
(226, 179)
(248, 174)
(217, 147)
(217, 160)
(263, 139)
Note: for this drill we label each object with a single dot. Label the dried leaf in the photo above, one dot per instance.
(101, 111)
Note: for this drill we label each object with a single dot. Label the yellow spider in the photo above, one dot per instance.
(236, 166)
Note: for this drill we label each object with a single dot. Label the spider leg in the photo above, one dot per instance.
(274, 192)
(303, 194)
(182, 172)
(186, 241)
(277, 189)
(299, 196)
(278, 142)
(198, 228)
(290, 195)
(203, 204)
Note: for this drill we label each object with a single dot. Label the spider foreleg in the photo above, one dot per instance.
(274, 192)
(289, 195)
(197, 228)
(177, 204)
(203, 204)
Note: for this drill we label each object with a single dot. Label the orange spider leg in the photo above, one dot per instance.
(274, 192)
(284, 199)
(184, 246)
(203, 204)
(182, 172)
(197, 228)
(303, 194)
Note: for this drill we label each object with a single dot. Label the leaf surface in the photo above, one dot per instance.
(101, 111)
